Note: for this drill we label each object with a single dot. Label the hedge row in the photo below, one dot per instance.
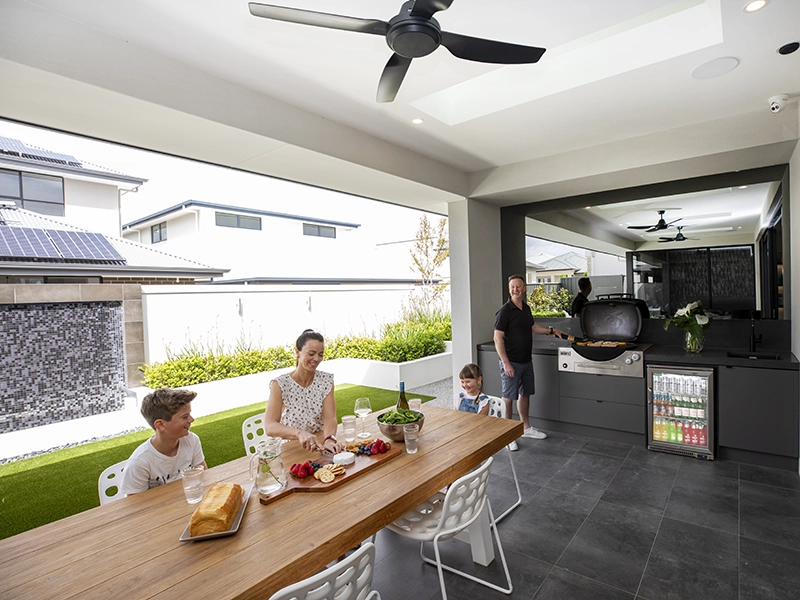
(403, 341)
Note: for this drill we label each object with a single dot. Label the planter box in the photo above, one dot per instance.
(225, 394)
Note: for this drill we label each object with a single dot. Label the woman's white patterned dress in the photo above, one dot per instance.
(302, 407)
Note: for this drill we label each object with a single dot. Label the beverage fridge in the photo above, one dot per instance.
(680, 403)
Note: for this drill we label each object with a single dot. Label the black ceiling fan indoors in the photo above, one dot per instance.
(661, 225)
(679, 237)
(412, 33)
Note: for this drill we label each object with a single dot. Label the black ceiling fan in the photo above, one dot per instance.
(679, 237)
(661, 225)
(412, 33)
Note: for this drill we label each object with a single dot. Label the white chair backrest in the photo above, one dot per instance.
(348, 579)
(253, 432)
(465, 498)
(109, 481)
(496, 407)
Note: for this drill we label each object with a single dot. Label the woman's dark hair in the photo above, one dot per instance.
(308, 334)
(472, 371)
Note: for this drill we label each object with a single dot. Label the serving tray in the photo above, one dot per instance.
(312, 484)
(185, 537)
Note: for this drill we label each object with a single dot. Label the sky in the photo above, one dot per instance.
(174, 180)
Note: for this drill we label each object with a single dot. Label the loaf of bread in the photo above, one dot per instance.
(217, 510)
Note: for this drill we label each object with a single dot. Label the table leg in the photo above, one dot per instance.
(479, 537)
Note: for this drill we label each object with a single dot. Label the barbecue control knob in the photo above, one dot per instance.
(563, 365)
(635, 356)
(628, 360)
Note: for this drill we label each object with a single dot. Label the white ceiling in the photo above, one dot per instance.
(611, 104)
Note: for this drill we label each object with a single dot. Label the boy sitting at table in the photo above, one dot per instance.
(171, 450)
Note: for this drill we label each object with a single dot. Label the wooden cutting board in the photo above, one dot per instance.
(311, 484)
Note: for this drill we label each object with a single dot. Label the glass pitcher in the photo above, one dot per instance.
(266, 466)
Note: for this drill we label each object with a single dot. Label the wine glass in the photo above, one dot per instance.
(362, 408)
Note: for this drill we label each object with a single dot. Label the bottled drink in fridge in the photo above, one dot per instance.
(702, 434)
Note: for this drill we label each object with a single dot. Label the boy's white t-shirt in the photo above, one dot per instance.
(148, 468)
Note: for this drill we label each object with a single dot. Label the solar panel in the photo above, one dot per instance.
(83, 245)
(25, 242)
(56, 245)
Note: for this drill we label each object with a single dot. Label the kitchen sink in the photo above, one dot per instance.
(754, 355)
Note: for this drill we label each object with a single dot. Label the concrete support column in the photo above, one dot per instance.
(476, 278)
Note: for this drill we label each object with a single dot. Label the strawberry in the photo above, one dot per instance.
(293, 468)
(302, 473)
(388, 446)
(382, 447)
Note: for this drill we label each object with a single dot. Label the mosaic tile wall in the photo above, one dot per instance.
(59, 362)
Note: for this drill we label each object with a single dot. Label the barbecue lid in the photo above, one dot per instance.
(612, 320)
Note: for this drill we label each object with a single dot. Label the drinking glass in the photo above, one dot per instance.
(349, 428)
(193, 484)
(415, 404)
(411, 435)
(362, 409)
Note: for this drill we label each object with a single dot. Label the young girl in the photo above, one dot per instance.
(472, 399)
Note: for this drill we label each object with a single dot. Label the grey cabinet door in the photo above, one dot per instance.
(544, 403)
(758, 409)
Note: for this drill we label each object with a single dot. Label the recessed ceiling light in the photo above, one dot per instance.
(715, 68)
(789, 48)
(417, 121)
(588, 207)
(755, 5)
(742, 187)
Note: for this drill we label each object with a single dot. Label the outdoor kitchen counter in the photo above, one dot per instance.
(718, 357)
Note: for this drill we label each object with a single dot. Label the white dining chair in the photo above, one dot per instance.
(443, 516)
(253, 432)
(108, 484)
(348, 579)
(496, 409)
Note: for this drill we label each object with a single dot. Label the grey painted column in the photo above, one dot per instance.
(476, 279)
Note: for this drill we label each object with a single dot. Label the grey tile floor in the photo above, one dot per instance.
(603, 520)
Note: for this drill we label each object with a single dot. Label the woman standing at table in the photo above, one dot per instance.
(301, 403)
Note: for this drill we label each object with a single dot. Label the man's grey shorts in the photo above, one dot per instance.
(522, 382)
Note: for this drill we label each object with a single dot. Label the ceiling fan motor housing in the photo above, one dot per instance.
(413, 37)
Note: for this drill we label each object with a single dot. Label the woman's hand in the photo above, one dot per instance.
(331, 446)
(308, 440)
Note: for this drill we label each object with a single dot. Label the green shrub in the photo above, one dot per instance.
(557, 301)
(412, 338)
(352, 347)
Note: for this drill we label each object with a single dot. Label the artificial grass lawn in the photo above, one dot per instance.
(52, 486)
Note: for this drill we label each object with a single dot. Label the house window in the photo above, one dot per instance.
(43, 194)
(319, 230)
(238, 221)
(158, 233)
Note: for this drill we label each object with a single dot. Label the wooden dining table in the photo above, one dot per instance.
(130, 548)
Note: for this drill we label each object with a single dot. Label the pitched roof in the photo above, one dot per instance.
(569, 261)
(140, 260)
(235, 209)
(19, 155)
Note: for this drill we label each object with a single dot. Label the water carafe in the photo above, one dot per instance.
(266, 466)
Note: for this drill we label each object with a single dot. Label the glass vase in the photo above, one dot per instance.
(691, 343)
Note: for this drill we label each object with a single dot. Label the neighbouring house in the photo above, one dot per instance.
(61, 186)
(71, 314)
(255, 243)
(568, 264)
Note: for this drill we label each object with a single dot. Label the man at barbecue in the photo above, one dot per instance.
(582, 297)
(513, 340)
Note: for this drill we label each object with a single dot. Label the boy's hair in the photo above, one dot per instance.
(308, 334)
(472, 371)
(163, 403)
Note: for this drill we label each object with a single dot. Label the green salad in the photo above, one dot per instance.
(400, 416)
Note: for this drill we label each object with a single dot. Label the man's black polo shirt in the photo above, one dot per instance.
(517, 326)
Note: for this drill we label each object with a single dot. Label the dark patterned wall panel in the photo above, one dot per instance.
(732, 272)
(60, 362)
(688, 278)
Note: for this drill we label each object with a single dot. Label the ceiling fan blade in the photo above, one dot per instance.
(392, 77)
(427, 8)
(640, 226)
(666, 239)
(675, 221)
(490, 51)
(318, 19)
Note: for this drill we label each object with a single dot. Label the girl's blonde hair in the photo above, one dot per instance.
(472, 371)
